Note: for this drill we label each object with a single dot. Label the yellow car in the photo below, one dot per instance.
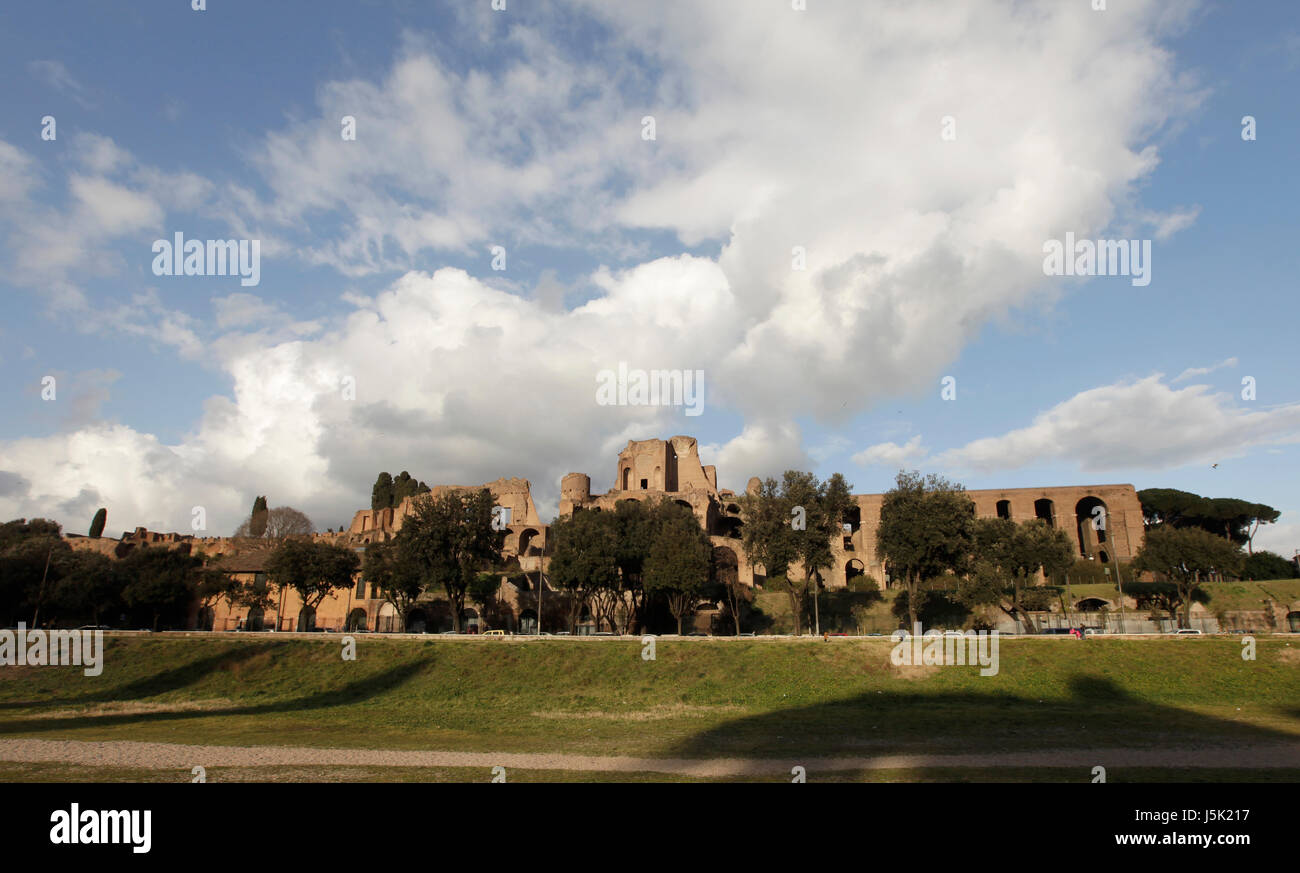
(493, 633)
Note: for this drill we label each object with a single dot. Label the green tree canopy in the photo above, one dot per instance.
(313, 570)
(1234, 519)
(451, 540)
(91, 586)
(1184, 556)
(793, 524)
(161, 583)
(393, 567)
(584, 557)
(927, 529)
(33, 558)
(381, 495)
(1006, 557)
(680, 561)
(1268, 565)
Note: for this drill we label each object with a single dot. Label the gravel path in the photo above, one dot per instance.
(166, 756)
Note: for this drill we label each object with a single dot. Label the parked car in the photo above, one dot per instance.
(1187, 631)
(493, 633)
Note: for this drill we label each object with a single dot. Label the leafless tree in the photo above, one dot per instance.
(281, 522)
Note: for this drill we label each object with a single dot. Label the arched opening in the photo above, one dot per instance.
(685, 503)
(853, 518)
(358, 620)
(1091, 604)
(729, 527)
(526, 541)
(850, 524)
(255, 620)
(416, 621)
(1090, 521)
(659, 478)
(853, 570)
(528, 621)
(1045, 510)
(307, 619)
(470, 622)
(1004, 509)
(627, 478)
(1103, 557)
(386, 622)
(206, 619)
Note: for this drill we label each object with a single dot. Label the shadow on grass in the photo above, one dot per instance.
(353, 692)
(1098, 714)
(162, 682)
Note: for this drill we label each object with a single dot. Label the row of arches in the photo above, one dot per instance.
(1091, 518)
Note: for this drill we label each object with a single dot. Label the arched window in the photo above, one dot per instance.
(1091, 521)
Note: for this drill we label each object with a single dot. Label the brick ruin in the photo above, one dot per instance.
(645, 470)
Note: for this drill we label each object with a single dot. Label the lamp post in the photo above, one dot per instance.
(1120, 583)
(541, 586)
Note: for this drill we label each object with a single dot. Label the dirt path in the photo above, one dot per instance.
(166, 756)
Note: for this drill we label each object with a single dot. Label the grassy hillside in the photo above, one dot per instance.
(704, 698)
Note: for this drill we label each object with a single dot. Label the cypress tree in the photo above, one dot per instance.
(257, 522)
(381, 496)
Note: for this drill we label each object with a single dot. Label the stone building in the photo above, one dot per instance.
(1104, 521)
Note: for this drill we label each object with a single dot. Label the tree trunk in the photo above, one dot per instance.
(1022, 614)
(913, 585)
(456, 609)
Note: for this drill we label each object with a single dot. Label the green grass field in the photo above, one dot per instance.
(699, 699)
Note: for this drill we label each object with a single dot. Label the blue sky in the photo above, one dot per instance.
(523, 128)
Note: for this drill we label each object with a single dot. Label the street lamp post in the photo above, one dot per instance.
(541, 586)
(1120, 583)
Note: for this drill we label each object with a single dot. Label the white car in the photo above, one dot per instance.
(1187, 631)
